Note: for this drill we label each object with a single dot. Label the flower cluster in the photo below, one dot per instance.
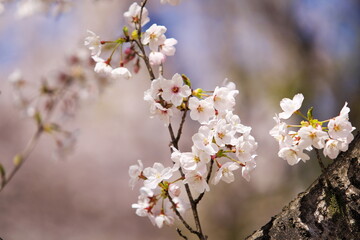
(159, 45)
(164, 96)
(154, 37)
(220, 136)
(103, 67)
(160, 185)
(333, 138)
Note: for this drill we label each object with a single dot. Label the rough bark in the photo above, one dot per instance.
(322, 211)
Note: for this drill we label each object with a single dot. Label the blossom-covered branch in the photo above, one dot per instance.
(312, 133)
(221, 140)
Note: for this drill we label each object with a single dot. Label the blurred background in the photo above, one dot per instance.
(271, 49)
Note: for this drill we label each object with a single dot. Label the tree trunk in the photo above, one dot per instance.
(323, 211)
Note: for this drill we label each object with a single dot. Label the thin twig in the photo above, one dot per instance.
(146, 59)
(175, 142)
(24, 155)
(161, 69)
(172, 136)
(180, 233)
(181, 123)
(180, 217)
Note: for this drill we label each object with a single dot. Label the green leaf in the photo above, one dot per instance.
(310, 114)
(186, 80)
(126, 31)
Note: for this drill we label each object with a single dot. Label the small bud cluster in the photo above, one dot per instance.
(333, 138)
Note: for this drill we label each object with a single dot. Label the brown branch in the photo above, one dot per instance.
(140, 45)
(182, 122)
(180, 233)
(319, 213)
(174, 139)
(193, 205)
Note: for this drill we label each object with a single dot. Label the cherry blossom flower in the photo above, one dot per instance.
(93, 43)
(132, 16)
(332, 148)
(249, 167)
(293, 155)
(225, 173)
(156, 58)
(290, 106)
(156, 174)
(167, 48)
(201, 110)
(174, 90)
(121, 73)
(223, 133)
(345, 111)
(235, 122)
(164, 114)
(340, 127)
(315, 136)
(224, 97)
(154, 36)
(145, 202)
(245, 148)
(203, 140)
(162, 218)
(280, 130)
(102, 67)
(189, 161)
(180, 204)
(197, 180)
(135, 173)
(156, 88)
(156, 109)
